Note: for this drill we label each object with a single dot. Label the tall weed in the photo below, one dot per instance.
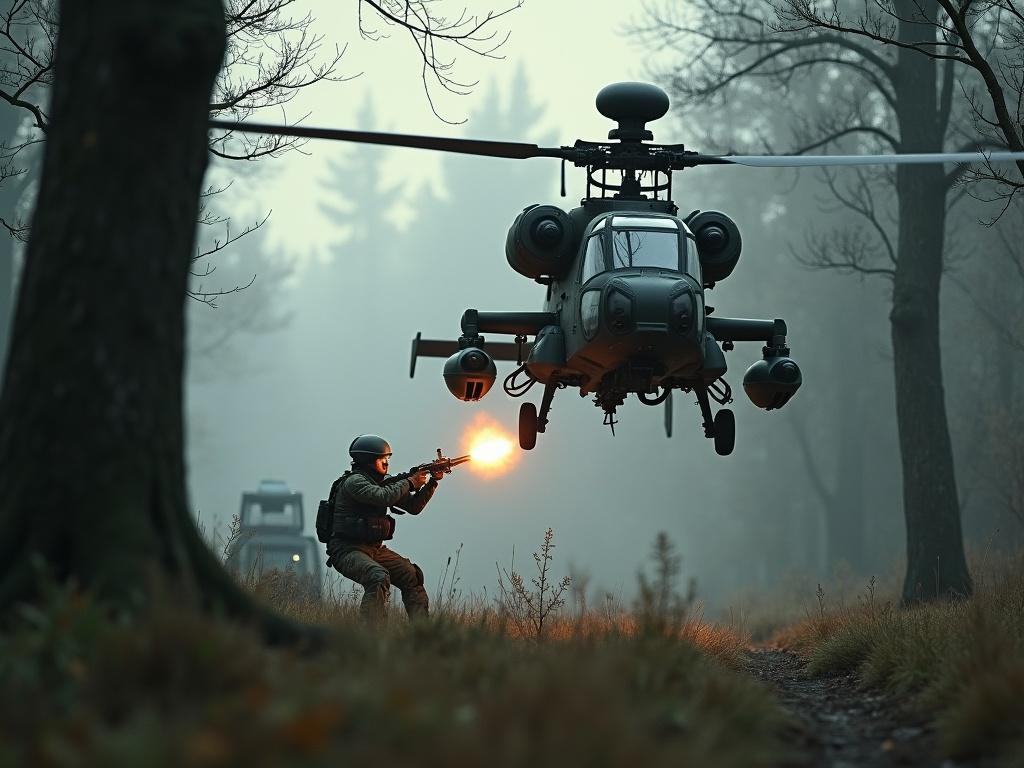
(530, 607)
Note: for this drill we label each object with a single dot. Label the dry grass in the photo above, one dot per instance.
(792, 600)
(961, 661)
(181, 689)
(725, 643)
(170, 687)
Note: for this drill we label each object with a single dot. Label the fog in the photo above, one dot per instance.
(364, 247)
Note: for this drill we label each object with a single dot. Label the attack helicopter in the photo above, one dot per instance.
(626, 278)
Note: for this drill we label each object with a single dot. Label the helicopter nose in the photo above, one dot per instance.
(654, 320)
(658, 305)
(651, 304)
(684, 309)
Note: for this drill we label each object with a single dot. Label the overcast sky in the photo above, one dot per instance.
(573, 48)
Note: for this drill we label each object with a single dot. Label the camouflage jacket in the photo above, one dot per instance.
(364, 495)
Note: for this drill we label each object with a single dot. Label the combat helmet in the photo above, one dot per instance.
(366, 448)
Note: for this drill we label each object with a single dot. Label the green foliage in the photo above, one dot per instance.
(55, 636)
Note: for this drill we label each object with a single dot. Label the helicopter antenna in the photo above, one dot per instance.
(610, 420)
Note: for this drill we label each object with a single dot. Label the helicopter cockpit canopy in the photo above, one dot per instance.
(631, 242)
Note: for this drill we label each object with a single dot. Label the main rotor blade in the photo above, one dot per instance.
(802, 161)
(463, 146)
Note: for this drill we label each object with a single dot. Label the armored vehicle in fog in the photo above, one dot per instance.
(272, 536)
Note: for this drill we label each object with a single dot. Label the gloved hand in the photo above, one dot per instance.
(419, 480)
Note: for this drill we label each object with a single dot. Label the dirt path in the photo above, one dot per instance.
(844, 726)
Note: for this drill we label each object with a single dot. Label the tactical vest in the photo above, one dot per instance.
(360, 522)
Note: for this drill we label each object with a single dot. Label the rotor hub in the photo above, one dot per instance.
(632, 106)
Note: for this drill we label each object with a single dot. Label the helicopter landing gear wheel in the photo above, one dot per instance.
(725, 432)
(527, 426)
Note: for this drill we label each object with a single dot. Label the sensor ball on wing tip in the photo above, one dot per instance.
(469, 373)
(770, 383)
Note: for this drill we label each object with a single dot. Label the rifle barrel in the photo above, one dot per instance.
(443, 465)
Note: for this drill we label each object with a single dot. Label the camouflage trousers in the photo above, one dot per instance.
(376, 568)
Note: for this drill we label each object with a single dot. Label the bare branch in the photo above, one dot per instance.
(845, 250)
(27, 38)
(429, 31)
(219, 245)
(800, 15)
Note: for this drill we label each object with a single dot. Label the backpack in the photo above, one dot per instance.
(325, 512)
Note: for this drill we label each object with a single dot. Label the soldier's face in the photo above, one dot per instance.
(381, 464)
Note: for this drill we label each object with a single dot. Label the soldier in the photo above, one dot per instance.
(362, 525)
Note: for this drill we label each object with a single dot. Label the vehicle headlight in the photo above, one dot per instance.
(590, 312)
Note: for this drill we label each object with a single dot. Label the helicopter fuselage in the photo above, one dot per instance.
(624, 313)
(631, 303)
(626, 278)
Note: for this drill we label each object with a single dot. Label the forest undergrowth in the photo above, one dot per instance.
(522, 679)
(534, 675)
(959, 662)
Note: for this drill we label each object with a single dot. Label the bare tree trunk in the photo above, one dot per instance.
(91, 425)
(841, 502)
(936, 566)
(10, 191)
(844, 520)
(6, 296)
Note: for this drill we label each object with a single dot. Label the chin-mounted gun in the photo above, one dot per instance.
(441, 464)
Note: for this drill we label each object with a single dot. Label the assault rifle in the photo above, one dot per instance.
(325, 512)
(441, 464)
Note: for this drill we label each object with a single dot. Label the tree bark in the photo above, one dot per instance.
(10, 191)
(936, 566)
(840, 501)
(6, 296)
(844, 520)
(91, 422)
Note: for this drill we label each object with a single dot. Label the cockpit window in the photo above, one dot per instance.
(644, 248)
(691, 262)
(593, 260)
(639, 241)
(647, 222)
(272, 510)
